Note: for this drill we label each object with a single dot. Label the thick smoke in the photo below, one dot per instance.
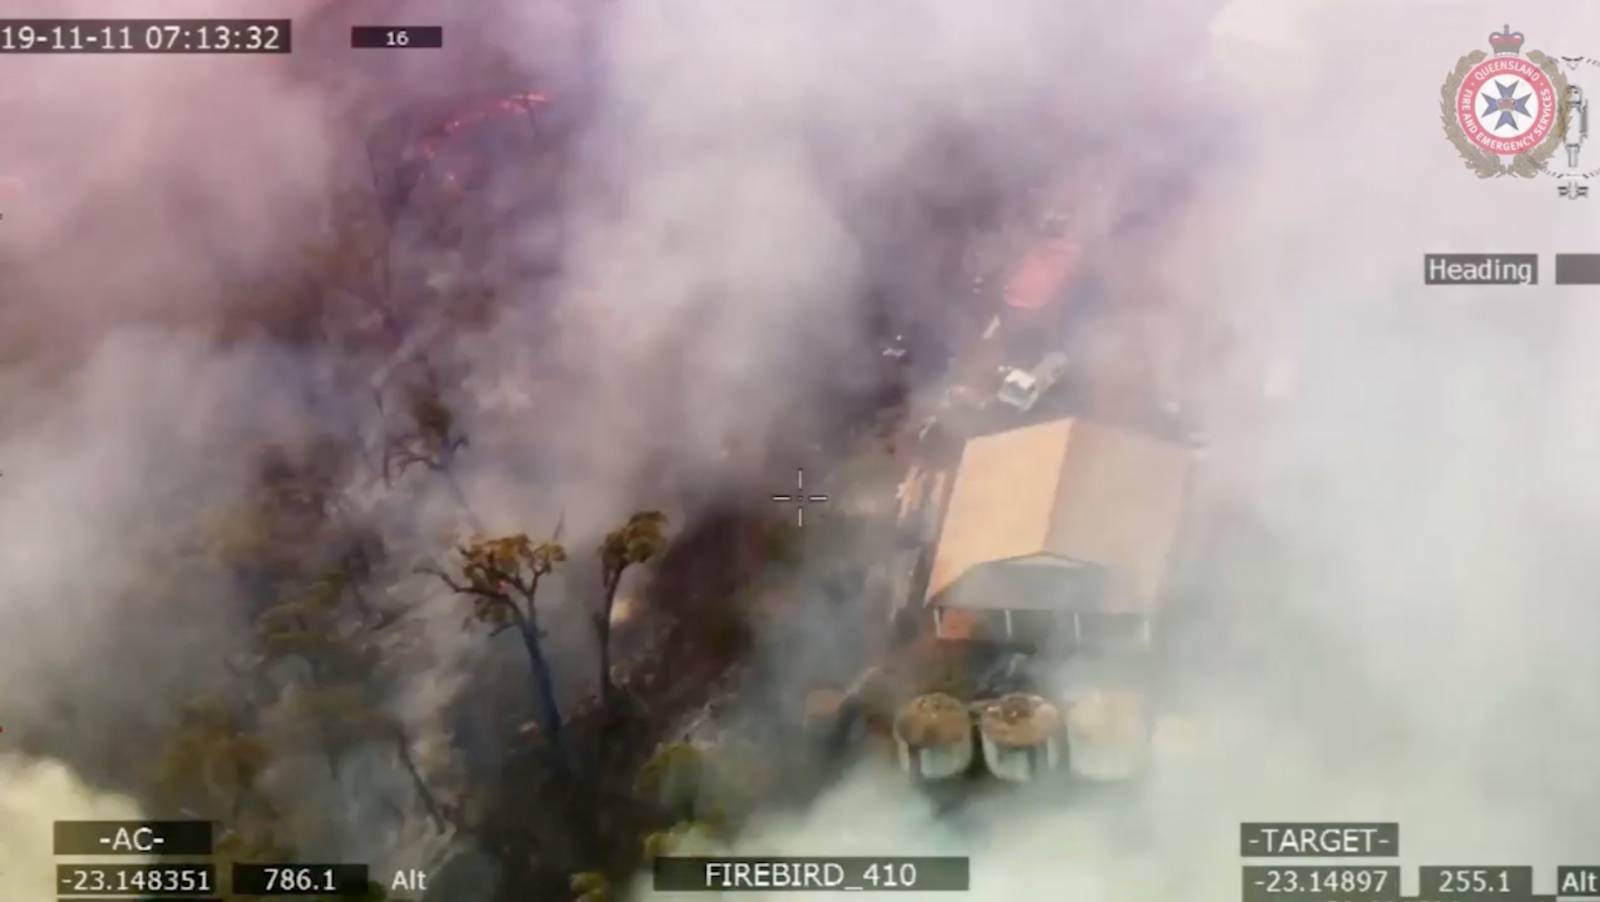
(1387, 587)
(32, 794)
(142, 196)
(724, 234)
(1427, 460)
(1396, 621)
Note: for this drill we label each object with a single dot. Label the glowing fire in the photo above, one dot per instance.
(428, 148)
(1043, 274)
(624, 609)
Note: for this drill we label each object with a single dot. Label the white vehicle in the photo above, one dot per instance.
(1023, 388)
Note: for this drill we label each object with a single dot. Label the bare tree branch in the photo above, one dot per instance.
(462, 589)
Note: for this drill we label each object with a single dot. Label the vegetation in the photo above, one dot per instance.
(430, 439)
(639, 540)
(320, 579)
(591, 886)
(212, 763)
(501, 579)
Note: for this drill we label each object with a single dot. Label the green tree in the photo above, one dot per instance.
(639, 540)
(672, 778)
(713, 787)
(307, 564)
(339, 708)
(304, 626)
(685, 838)
(501, 578)
(590, 886)
(212, 762)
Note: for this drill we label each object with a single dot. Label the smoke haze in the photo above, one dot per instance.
(1390, 567)
(37, 793)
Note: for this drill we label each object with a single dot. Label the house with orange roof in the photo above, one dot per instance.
(1058, 535)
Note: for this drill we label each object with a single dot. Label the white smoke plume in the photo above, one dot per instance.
(1418, 458)
(33, 794)
(143, 191)
(1389, 515)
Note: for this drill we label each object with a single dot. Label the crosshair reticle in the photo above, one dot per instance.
(800, 499)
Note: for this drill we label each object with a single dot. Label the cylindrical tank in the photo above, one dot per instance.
(934, 736)
(1109, 734)
(1021, 736)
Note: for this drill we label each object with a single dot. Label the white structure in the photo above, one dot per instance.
(1023, 388)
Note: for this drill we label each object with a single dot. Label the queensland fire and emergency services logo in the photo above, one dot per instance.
(1504, 110)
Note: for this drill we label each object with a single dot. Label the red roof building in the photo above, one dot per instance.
(1044, 274)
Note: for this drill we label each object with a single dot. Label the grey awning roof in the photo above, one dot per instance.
(1039, 582)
